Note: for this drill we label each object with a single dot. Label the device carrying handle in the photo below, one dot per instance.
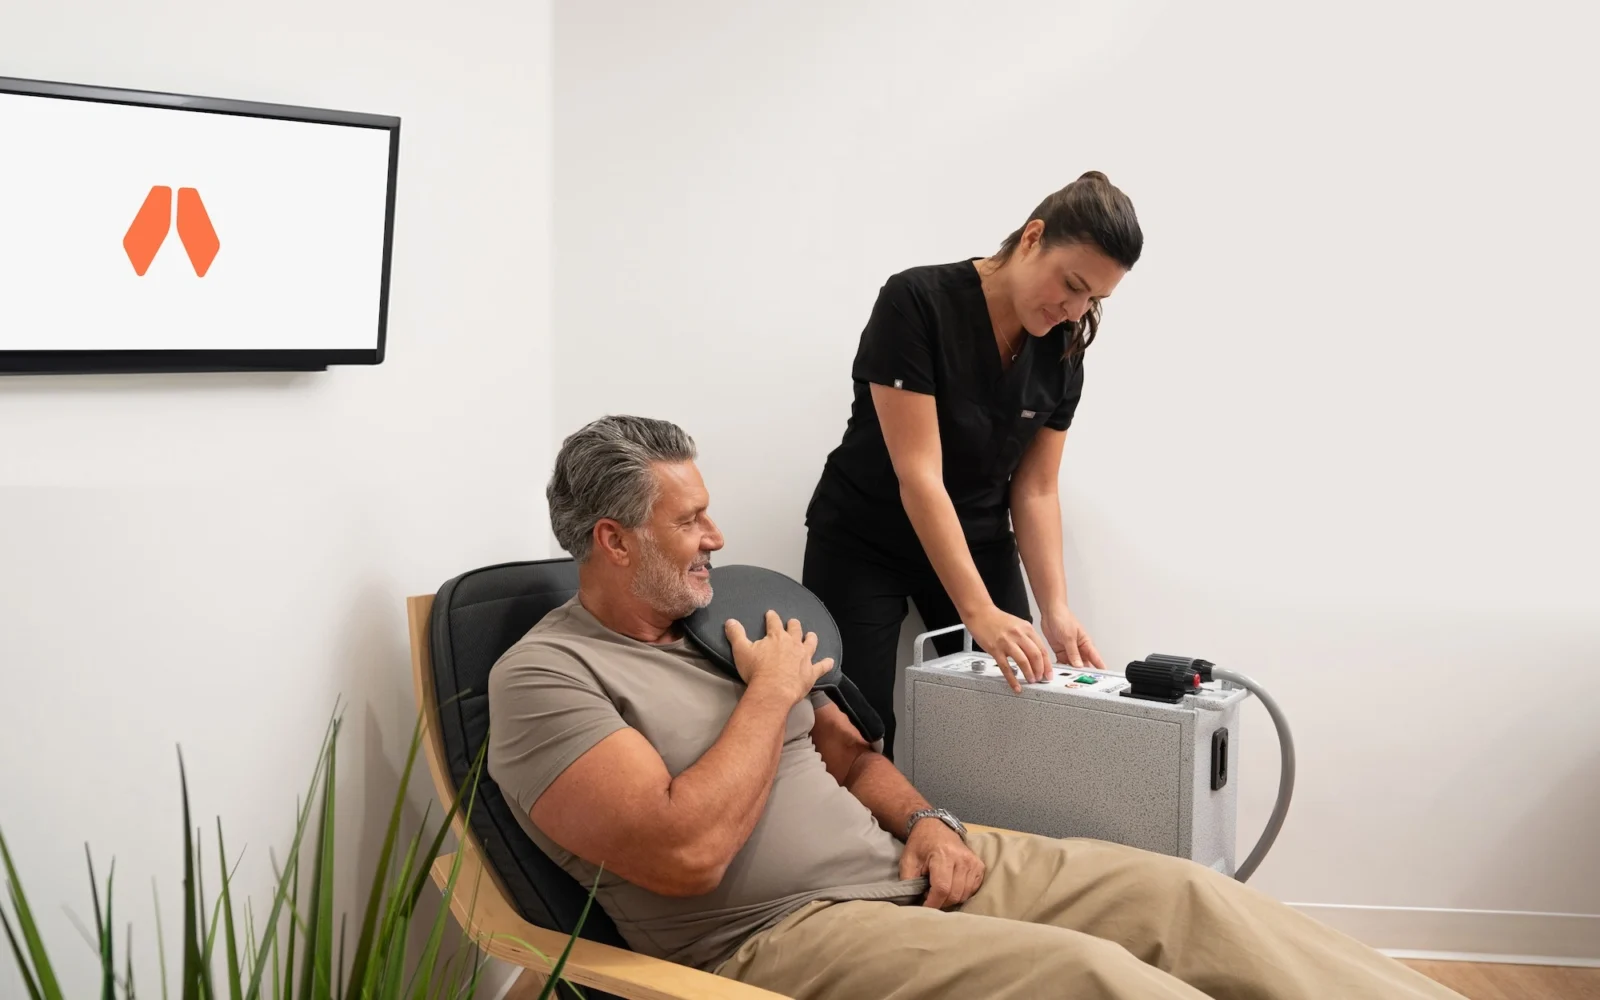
(1174, 671)
(916, 650)
(1286, 772)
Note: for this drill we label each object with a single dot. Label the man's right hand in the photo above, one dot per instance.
(781, 660)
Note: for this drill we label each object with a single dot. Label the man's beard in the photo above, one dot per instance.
(666, 587)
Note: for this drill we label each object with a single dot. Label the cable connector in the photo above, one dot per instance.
(1199, 666)
(1160, 680)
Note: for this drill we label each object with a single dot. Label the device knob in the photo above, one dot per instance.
(1202, 667)
(1162, 681)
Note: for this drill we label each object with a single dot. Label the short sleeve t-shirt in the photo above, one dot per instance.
(571, 682)
(930, 333)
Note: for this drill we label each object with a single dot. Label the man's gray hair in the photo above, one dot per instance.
(604, 471)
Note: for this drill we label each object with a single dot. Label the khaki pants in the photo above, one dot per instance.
(1079, 919)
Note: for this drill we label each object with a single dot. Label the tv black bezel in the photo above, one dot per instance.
(88, 362)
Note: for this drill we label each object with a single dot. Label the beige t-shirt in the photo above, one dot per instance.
(571, 682)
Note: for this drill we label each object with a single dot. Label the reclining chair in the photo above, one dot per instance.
(507, 889)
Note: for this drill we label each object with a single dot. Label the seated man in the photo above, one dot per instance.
(748, 829)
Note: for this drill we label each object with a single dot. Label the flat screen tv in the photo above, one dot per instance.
(149, 232)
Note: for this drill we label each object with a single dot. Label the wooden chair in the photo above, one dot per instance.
(507, 891)
(482, 902)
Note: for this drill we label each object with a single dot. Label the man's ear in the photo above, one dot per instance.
(611, 542)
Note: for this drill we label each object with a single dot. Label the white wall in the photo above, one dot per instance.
(1339, 427)
(212, 560)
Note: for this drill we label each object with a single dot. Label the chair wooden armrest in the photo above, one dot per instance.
(498, 930)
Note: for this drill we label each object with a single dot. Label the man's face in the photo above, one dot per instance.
(674, 571)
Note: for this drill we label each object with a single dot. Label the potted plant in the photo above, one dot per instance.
(293, 954)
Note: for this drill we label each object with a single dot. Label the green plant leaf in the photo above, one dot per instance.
(449, 977)
(128, 991)
(394, 966)
(210, 936)
(376, 982)
(111, 961)
(23, 968)
(471, 989)
(555, 973)
(423, 976)
(358, 971)
(161, 942)
(235, 980)
(339, 978)
(314, 980)
(191, 940)
(104, 930)
(467, 947)
(44, 975)
(470, 793)
(292, 872)
(249, 933)
(277, 990)
(270, 925)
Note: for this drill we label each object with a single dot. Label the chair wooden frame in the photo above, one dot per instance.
(483, 908)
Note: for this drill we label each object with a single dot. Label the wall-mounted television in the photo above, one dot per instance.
(150, 232)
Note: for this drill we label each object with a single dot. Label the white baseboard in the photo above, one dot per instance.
(1468, 935)
(498, 978)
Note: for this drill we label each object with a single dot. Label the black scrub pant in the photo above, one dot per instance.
(866, 592)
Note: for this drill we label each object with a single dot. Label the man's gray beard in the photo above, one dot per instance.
(663, 586)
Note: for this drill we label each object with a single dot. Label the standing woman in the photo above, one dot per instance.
(945, 484)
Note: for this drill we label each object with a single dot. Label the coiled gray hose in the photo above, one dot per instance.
(1285, 776)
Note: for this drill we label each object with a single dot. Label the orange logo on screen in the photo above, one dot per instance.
(150, 226)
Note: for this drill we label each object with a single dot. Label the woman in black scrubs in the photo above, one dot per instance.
(945, 485)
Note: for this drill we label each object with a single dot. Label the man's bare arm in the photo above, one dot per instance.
(867, 774)
(618, 806)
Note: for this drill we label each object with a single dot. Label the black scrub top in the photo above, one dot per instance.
(930, 332)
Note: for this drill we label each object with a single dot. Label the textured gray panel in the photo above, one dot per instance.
(1060, 767)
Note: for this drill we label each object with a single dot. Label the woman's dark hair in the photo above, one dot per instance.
(1089, 211)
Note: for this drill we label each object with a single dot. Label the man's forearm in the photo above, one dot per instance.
(1036, 518)
(880, 786)
(716, 801)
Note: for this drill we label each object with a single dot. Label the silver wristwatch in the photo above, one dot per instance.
(943, 815)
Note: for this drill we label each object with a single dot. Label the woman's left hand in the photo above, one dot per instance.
(1068, 639)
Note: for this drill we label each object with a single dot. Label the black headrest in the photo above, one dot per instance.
(477, 617)
(746, 594)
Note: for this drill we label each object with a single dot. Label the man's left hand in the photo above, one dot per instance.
(954, 872)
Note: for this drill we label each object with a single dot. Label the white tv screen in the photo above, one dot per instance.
(158, 232)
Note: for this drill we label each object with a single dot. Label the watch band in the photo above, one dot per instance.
(942, 815)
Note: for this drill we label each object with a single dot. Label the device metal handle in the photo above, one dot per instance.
(916, 651)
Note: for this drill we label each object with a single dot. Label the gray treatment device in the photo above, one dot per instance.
(1144, 758)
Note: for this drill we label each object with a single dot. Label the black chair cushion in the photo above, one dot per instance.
(477, 617)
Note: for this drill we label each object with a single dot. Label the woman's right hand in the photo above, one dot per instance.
(1004, 636)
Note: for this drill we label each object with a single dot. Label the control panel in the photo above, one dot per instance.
(1084, 681)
